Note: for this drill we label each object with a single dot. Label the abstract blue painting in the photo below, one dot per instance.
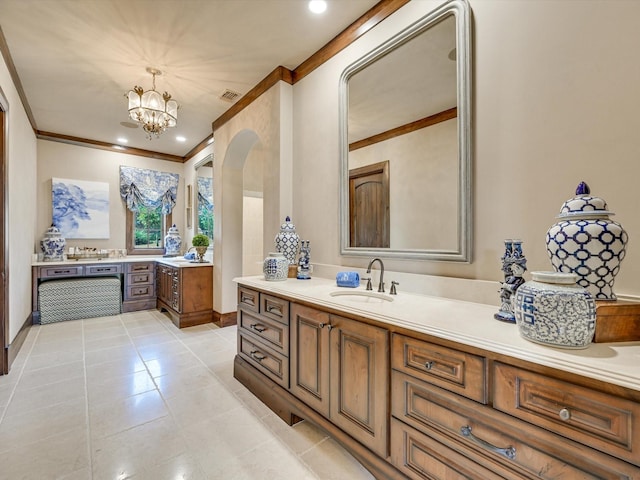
(80, 208)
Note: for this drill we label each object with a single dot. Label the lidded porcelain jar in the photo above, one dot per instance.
(172, 241)
(287, 241)
(52, 244)
(552, 310)
(275, 267)
(586, 242)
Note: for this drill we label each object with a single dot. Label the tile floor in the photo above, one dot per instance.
(131, 396)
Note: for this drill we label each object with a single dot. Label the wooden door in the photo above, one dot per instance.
(369, 206)
(359, 382)
(309, 356)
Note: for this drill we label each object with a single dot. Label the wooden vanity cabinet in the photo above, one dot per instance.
(263, 334)
(409, 405)
(185, 293)
(339, 367)
(436, 402)
(139, 286)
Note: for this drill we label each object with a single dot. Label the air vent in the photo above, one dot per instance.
(230, 96)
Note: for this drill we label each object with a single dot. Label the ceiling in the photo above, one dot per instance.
(76, 59)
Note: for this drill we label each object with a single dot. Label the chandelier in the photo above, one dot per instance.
(153, 111)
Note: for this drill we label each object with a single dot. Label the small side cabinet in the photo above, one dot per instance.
(185, 293)
(139, 286)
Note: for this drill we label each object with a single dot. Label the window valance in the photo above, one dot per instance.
(148, 188)
(205, 193)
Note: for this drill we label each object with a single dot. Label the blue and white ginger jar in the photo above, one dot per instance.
(586, 242)
(172, 241)
(52, 244)
(552, 310)
(275, 267)
(287, 241)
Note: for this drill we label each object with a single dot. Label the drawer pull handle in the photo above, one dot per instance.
(508, 452)
(248, 300)
(58, 272)
(274, 310)
(428, 365)
(258, 327)
(329, 327)
(565, 414)
(255, 355)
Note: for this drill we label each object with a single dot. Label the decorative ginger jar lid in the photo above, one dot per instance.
(52, 232)
(584, 205)
(173, 229)
(287, 226)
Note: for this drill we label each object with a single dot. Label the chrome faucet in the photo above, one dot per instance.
(381, 284)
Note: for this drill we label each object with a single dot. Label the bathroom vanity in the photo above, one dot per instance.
(182, 288)
(424, 387)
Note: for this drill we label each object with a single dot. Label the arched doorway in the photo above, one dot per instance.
(236, 193)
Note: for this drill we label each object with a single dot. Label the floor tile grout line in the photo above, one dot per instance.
(86, 402)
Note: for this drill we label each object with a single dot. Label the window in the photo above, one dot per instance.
(146, 230)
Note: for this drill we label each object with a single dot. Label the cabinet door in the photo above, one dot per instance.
(359, 381)
(309, 357)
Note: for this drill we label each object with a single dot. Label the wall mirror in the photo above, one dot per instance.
(405, 125)
(203, 198)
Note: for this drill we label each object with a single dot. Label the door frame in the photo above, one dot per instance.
(4, 254)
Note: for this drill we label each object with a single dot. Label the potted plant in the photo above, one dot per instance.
(200, 243)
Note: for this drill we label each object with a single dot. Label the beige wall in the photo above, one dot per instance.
(555, 102)
(263, 130)
(21, 206)
(62, 160)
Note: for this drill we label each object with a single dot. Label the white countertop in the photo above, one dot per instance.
(172, 261)
(467, 323)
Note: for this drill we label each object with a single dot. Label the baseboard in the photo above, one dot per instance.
(14, 348)
(225, 319)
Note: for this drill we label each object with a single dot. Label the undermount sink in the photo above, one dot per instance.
(362, 296)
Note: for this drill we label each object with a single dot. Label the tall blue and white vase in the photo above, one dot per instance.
(585, 241)
(172, 242)
(52, 245)
(287, 241)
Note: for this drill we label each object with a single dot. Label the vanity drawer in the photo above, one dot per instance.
(139, 267)
(96, 270)
(142, 278)
(272, 364)
(605, 422)
(424, 457)
(460, 372)
(62, 271)
(274, 308)
(139, 291)
(249, 299)
(273, 333)
(528, 451)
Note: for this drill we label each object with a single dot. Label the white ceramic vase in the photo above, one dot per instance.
(586, 242)
(287, 241)
(172, 242)
(552, 310)
(275, 267)
(53, 244)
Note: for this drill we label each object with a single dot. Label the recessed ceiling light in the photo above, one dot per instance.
(118, 147)
(122, 140)
(181, 139)
(317, 6)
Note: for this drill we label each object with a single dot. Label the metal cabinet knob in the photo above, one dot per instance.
(565, 414)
